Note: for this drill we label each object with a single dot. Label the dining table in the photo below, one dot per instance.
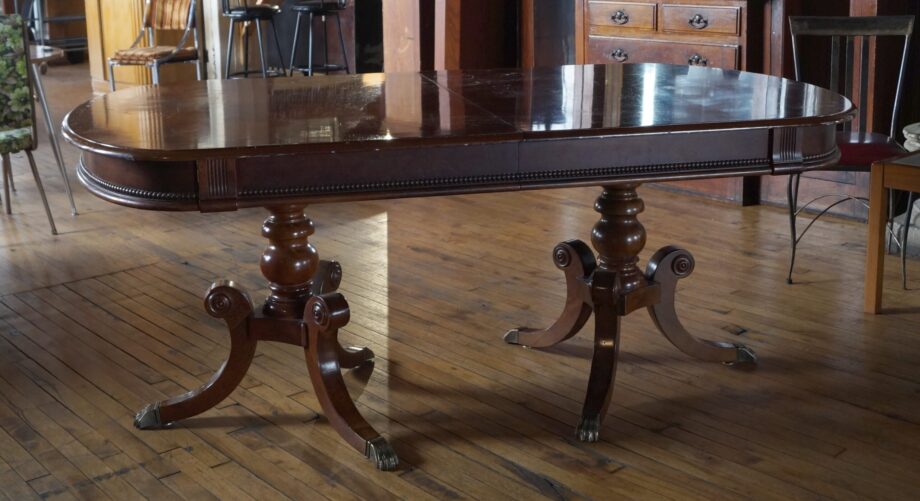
(283, 144)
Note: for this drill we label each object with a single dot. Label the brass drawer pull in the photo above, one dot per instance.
(699, 22)
(620, 56)
(620, 17)
(698, 60)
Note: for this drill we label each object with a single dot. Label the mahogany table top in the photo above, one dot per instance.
(197, 118)
(225, 144)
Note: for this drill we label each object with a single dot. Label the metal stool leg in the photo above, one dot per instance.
(904, 234)
(338, 22)
(246, 29)
(294, 45)
(262, 60)
(325, 46)
(230, 37)
(41, 191)
(52, 135)
(310, 48)
(278, 46)
(155, 73)
(112, 76)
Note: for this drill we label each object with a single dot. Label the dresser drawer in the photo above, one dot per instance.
(701, 19)
(602, 50)
(626, 15)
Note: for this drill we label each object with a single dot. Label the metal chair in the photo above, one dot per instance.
(174, 15)
(242, 12)
(323, 9)
(859, 148)
(17, 107)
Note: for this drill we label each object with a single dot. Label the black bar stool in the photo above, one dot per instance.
(242, 12)
(323, 9)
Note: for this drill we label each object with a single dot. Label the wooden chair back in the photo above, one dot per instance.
(175, 15)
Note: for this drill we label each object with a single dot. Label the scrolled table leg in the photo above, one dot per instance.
(226, 301)
(576, 260)
(666, 267)
(327, 278)
(324, 315)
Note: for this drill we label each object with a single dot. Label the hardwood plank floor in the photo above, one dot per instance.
(107, 316)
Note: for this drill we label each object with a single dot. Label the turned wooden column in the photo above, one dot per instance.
(289, 262)
(619, 237)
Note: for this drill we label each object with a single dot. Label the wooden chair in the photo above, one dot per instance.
(174, 15)
(17, 106)
(859, 147)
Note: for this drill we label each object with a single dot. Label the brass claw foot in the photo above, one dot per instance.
(382, 454)
(745, 356)
(148, 418)
(589, 429)
(513, 336)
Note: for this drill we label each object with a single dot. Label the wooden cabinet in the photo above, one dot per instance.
(696, 32)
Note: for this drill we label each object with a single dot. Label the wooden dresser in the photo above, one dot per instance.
(715, 33)
(697, 32)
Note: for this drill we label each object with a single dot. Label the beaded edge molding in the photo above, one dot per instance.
(453, 182)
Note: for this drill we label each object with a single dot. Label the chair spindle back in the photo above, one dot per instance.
(845, 33)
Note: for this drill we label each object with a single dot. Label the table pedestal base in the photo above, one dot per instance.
(611, 287)
(302, 310)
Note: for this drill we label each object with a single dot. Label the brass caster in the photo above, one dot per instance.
(382, 454)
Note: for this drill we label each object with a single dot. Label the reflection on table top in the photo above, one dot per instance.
(380, 110)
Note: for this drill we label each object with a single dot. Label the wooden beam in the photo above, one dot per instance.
(447, 17)
(402, 36)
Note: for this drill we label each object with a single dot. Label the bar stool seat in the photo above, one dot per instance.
(317, 7)
(323, 9)
(261, 12)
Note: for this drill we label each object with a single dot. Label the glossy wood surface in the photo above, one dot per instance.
(269, 116)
